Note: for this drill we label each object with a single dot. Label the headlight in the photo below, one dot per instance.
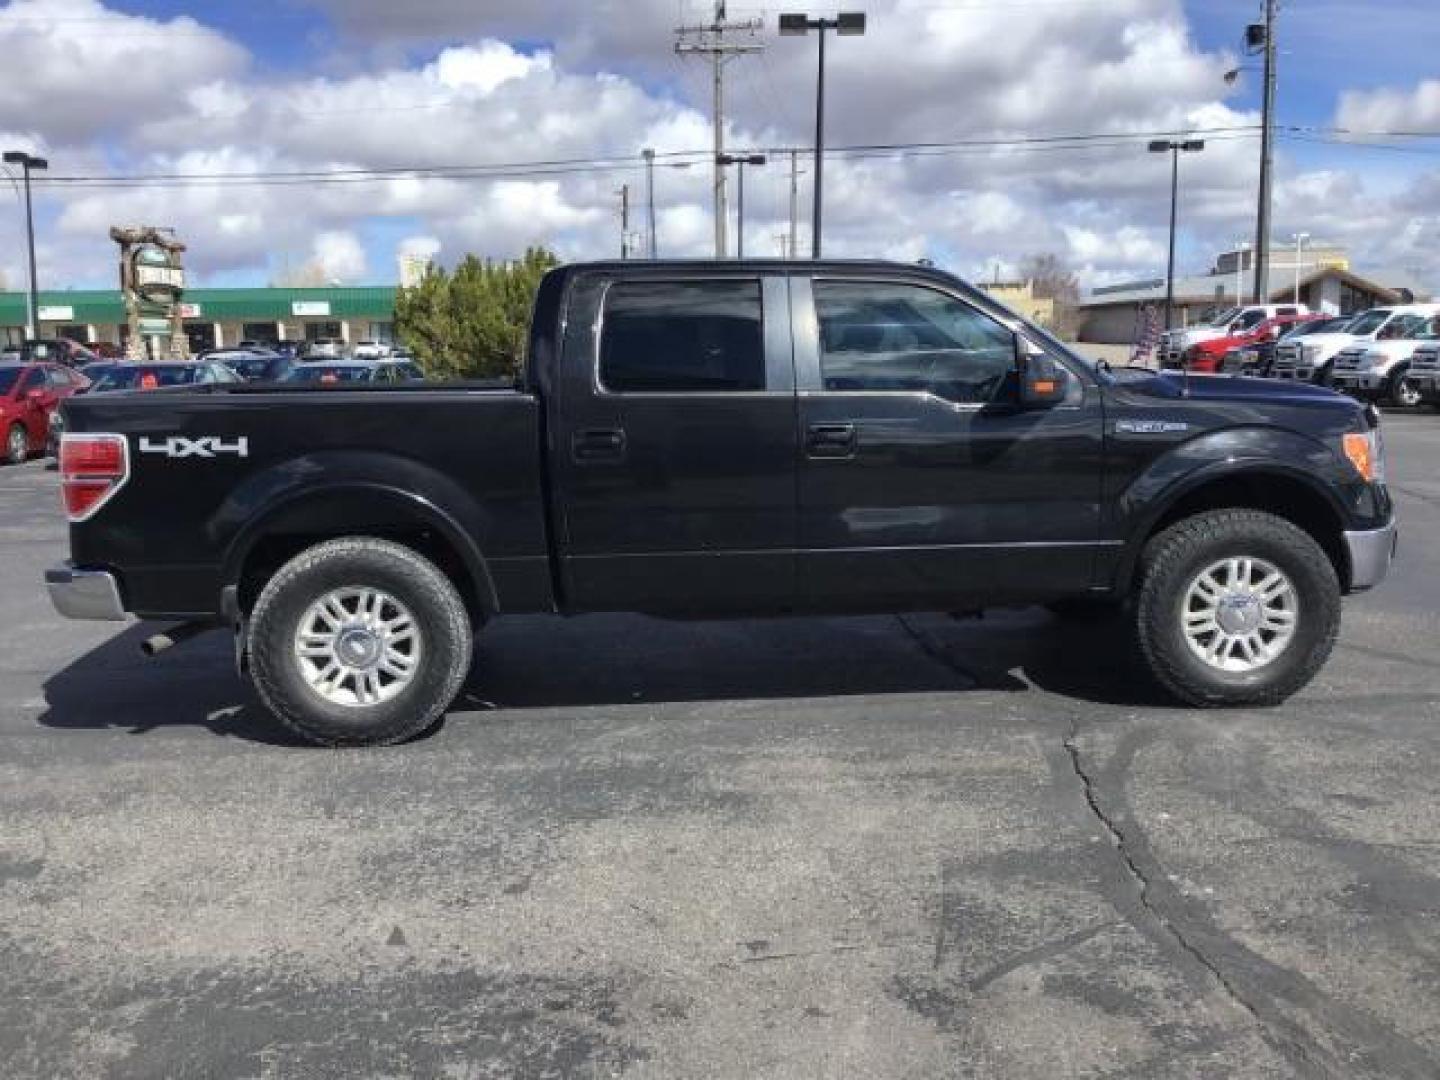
(1366, 451)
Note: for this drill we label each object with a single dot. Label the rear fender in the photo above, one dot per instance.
(347, 493)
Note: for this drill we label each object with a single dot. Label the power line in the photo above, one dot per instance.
(540, 168)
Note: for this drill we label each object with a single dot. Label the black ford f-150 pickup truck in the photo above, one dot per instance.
(701, 440)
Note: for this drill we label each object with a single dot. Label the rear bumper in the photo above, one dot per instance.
(1371, 554)
(85, 594)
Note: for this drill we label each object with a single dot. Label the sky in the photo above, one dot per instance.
(161, 112)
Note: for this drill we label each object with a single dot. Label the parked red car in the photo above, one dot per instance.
(29, 395)
(1206, 357)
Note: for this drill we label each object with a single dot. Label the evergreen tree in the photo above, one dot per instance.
(472, 323)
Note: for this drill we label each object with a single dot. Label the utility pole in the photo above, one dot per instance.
(651, 243)
(716, 41)
(624, 194)
(1255, 35)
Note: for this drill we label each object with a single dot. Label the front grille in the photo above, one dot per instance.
(1351, 360)
(1426, 359)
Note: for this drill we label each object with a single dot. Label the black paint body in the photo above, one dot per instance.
(556, 495)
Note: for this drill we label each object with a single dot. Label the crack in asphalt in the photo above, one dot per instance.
(1143, 886)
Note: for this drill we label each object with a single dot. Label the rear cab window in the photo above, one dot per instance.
(675, 336)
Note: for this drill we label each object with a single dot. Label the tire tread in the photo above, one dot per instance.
(1170, 549)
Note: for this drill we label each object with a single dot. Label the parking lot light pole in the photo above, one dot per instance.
(28, 162)
(1300, 239)
(740, 161)
(852, 24)
(1174, 149)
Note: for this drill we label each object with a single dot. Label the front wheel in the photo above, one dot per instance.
(359, 642)
(1403, 393)
(1236, 607)
(17, 445)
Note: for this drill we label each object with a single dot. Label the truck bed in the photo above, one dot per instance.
(225, 461)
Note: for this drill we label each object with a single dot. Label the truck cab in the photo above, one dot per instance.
(1379, 370)
(1229, 323)
(1312, 360)
(1207, 357)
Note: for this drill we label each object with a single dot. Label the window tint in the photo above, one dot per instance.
(1248, 320)
(682, 336)
(34, 380)
(905, 337)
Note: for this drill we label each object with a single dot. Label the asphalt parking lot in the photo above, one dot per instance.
(847, 847)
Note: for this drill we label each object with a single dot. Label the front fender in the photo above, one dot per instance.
(1243, 452)
(339, 493)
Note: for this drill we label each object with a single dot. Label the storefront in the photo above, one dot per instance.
(217, 318)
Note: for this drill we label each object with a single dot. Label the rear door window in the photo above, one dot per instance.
(682, 337)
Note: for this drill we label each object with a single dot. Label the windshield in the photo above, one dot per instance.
(328, 373)
(145, 377)
(8, 378)
(1324, 326)
(1224, 318)
(1368, 323)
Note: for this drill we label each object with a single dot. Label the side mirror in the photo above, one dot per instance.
(1043, 383)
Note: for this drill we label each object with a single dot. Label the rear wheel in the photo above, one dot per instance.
(1236, 607)
(359, 642)
(17, 445)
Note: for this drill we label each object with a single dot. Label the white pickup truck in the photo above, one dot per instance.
(1424, 374)
(1380, 370)
(1231, 322)
(1312, 359)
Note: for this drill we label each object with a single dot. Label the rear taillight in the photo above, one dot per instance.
(92, 469)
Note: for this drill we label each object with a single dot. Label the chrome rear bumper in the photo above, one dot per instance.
(85, 594)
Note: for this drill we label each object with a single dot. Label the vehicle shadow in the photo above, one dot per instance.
(598, 660)
(115, 687)
(541, 662)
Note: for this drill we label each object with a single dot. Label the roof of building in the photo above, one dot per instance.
(1220, 288)
(106, 306)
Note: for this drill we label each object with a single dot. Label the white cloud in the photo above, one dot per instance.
(607, 83)
(340, 256)
(1391, 109)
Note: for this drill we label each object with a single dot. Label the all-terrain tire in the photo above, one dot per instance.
(17, 445)
(1401, 392)
(1174, 558)
(359, 563)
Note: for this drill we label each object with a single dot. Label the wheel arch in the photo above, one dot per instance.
(1288, 493)
(359, 506)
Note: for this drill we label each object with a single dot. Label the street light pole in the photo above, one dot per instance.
(1161, 146)
(848, 23)
(649, 155)
(26, 163)
(740, 161)
(1300, 239)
